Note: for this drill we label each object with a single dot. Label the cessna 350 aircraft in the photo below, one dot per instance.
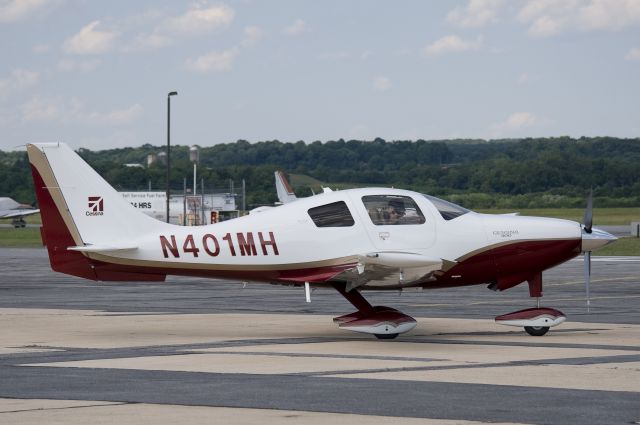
(352, 240)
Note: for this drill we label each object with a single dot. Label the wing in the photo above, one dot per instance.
(395, 269)
(378, 270)
(17, 213)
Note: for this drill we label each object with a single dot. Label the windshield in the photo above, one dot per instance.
(447, 210)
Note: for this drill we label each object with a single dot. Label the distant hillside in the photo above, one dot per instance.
(513, 173)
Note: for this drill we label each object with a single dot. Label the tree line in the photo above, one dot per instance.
(507, 173)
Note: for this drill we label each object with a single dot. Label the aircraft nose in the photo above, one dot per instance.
(596, 239)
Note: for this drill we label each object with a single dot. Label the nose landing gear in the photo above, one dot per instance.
(536, 330)
(536, 321)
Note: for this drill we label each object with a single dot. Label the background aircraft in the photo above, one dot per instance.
(352, 240)
(12, 209)
(283, 189)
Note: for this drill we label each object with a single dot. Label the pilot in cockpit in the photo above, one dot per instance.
(395, 211)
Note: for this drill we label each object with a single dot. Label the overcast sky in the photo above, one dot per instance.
(96, 74)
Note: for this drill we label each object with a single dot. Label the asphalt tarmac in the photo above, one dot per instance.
(193, 350)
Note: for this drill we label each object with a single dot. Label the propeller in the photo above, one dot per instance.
(587, 226)
(587, 277)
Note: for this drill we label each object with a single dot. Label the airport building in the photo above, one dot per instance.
(186, 210)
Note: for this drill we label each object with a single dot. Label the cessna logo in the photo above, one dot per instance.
(96, 206)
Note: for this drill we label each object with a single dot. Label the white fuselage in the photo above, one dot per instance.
(286, 237)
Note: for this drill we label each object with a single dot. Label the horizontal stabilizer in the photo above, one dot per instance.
(102, 248)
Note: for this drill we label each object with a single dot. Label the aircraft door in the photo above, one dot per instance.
(396, 222)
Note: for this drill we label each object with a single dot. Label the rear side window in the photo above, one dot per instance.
(335, 214)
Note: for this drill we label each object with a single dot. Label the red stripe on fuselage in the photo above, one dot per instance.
(311, 274)
(519, 261)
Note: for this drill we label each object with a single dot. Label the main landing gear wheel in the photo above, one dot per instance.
(18, 223)
(380, 321)
(536, 330)
(386, 336)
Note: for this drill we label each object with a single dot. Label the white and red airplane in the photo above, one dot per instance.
(352, 240)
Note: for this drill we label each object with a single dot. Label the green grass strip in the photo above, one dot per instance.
(24, 237)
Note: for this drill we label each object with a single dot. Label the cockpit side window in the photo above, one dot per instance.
(385, 210)
(335, 214)
(448, 210)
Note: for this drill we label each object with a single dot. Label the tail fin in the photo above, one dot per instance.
(285, 192)
(82, 212)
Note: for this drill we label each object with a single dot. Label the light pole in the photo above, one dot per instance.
(173, 93)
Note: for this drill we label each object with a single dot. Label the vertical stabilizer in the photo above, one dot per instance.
(80, 209)
(284, 189)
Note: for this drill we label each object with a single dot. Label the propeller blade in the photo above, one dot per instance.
(587, 277)
(588, 214)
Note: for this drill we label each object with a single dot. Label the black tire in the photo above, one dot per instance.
(536, 330)
(386, 336)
